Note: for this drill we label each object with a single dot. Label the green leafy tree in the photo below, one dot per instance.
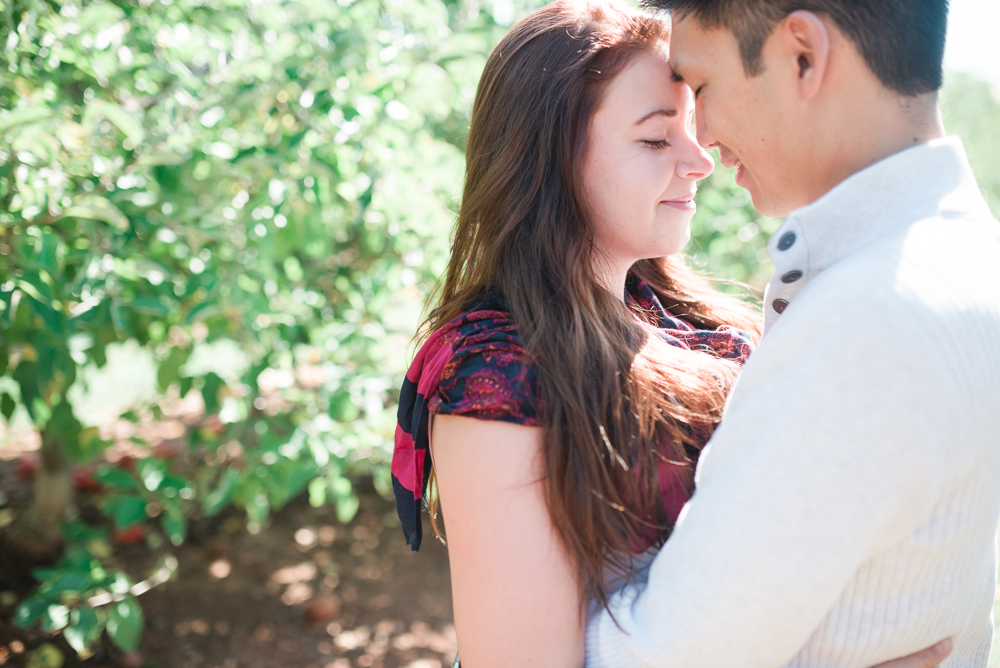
(279, 176)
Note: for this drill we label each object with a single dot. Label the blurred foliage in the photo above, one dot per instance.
(728, 236)
(278, 176)
(971, 110)
(80, 598)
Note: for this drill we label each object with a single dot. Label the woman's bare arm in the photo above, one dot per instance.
(517, 602)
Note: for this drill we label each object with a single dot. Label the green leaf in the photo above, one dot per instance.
(66, 582)
(175, 526)
(223, 493)
(159, 158)
(347, 508)
(7, 405)
(97, 208)
(84, 629)
(31, 610)
(201, 311)
(130, 126)
(170, 368)
(112, 476)
(125, 509)
(150, 307)
(56, 618)
(33, 285)
(210, 392)
(125, 624)
(23, 115)
(317, 492)
(345, 498)
(174, 483)
(152, 472)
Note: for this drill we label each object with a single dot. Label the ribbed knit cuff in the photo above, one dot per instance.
(606, 645)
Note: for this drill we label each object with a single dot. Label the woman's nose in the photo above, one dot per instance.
(696, 164)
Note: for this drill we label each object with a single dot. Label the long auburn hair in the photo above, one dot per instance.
(616, 399)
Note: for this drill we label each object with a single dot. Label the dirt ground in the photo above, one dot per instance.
(245, 601)
(395, 605)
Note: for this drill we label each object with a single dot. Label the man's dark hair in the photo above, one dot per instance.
(901, 40)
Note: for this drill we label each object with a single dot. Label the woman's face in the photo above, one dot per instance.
(642, 165)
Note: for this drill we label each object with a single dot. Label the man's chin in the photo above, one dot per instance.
(768, 206)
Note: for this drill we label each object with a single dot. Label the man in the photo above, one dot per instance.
(846, 508)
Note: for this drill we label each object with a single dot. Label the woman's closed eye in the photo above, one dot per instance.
(656, 143)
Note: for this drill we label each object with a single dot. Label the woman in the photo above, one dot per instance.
(574, 365)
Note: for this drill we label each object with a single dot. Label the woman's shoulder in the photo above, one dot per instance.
(476, 365)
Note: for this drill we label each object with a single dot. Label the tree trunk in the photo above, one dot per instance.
(34, 538)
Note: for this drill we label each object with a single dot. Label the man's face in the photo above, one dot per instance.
(750, 120)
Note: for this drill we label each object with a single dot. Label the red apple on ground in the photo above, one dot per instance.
(130, 535)
(83, 479)
(28, 467)
(321, 608)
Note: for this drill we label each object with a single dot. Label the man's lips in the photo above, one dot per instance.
(741, 171)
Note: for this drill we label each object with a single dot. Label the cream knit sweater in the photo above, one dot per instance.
(847, 506)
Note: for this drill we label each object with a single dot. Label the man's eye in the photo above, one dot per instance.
(697, 92)
(656, 143)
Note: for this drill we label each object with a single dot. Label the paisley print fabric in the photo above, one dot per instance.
(476, 366)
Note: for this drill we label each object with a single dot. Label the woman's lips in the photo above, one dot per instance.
(682, 203)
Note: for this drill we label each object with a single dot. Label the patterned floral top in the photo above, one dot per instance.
(476, 366)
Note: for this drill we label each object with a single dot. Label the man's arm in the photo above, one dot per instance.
(825, 457)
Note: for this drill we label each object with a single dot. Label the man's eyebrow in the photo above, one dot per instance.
(676, 76)
(669, 113)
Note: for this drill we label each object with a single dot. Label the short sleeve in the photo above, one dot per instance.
(490, 377)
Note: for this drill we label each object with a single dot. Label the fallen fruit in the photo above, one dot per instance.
(130, 535)
(27, 468)
(83, 479)
(321, 608)
(167, 450)
(130, 660)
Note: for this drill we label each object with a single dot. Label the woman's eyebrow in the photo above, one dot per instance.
(669, 113)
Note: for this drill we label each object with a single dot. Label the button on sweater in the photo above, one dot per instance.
(847, 506)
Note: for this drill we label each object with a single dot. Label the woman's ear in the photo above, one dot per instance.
(807, 40)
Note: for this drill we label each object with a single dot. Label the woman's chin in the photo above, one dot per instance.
(672, 247)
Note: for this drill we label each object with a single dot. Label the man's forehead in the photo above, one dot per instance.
(685, 39)
(691, 45)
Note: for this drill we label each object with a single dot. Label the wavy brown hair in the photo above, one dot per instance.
(616, 399)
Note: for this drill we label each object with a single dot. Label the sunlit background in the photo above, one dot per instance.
(219, 223)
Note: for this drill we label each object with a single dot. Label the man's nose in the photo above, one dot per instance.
(702, 131)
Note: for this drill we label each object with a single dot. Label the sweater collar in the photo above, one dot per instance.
(929, 180)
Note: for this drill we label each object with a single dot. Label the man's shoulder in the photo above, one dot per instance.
(929, 267)
(916, 309)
